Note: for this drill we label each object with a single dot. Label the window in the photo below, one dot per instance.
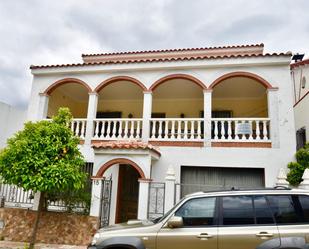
(263, 213)
(300, 138)
(198, 212)
(283, 209)
(237, 210)
(304, 201)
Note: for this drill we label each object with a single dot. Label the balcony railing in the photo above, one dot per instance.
(115, 129)
(240, 129)
(178, 129)
(175, 129)
(78, 127)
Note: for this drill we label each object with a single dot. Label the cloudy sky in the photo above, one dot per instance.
(55, 31)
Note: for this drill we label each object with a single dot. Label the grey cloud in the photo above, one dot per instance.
(48, 32)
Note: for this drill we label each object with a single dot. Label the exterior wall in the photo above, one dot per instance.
(11, 120)
(301, 98)
(54, 228)
(301, 112)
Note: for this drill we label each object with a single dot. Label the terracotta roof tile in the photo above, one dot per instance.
(175, 50)
(159, 60)
(130, 144)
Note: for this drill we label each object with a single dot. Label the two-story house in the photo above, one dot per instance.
(205, 118)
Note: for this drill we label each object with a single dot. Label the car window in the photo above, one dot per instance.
(283, 209)
(237, 210)
(262, 210)
(304, 201)
(198, 212)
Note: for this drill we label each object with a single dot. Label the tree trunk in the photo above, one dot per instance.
(36, 222)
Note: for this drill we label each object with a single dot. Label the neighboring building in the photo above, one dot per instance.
(210, 117)
(300, 82)
(11, 120)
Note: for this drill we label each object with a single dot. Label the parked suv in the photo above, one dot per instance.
(240, 219)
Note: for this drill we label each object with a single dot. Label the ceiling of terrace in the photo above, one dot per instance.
(239, 87)
(178, 89)
(72, 90)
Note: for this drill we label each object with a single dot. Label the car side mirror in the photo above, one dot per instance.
(175, 222)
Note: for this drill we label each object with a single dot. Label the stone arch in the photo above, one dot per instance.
(120, 78)
(178, 76)
(253, 76)
(112, 162)
(58, 83)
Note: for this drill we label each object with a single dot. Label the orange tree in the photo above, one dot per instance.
(44, 157)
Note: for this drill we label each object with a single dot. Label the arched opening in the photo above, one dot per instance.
(69, 94)
(240, 108)
(177, 110)
(119, 110)
(124, 196)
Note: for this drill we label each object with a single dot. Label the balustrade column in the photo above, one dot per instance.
(273, 109)
(43, 106)
(147, 109)
(91, 115)
(207, 117)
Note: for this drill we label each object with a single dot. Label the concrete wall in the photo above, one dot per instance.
(301, 112)
(11, 120)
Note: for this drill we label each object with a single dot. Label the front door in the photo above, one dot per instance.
(128, 187)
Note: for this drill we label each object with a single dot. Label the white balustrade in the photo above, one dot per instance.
(240, 129)
(115, 129)
(78, 127)
(176, 129)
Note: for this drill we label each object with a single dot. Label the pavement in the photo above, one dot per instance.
(23, 245)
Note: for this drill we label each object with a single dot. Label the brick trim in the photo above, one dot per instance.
(177, 143)
(58, 83)
(253, 76)
(177, 76)
(242, 144)
(120, 78)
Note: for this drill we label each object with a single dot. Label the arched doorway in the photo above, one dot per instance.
(125, 190)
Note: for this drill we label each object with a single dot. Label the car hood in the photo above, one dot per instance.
(127, 225)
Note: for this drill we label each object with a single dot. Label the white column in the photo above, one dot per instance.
(143, 199)
(36, 201)
(96, 197)
(273, 109)
(281, 178)
(169, 189)
(305, 183)
(43, 106)
(207, 117)
(91, 115)
(147, 109)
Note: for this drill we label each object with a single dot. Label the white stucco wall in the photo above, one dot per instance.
(301, 98)
(11, 120)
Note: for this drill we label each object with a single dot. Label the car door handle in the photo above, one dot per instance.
(264, 234)
(204, 236)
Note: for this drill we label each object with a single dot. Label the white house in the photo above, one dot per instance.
(300, 82)
(11, 120)
(160, 124)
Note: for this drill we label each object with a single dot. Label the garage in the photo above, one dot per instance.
(194, 179)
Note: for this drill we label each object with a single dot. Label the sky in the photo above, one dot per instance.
(36, 32)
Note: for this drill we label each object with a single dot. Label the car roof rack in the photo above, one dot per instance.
(248, 189)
